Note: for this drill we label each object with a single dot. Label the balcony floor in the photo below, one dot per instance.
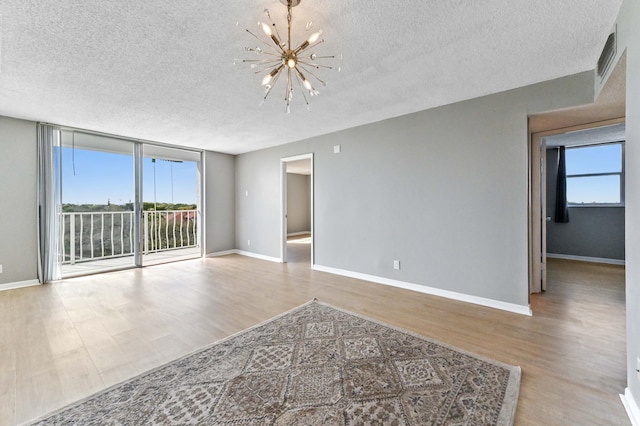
(102, 265)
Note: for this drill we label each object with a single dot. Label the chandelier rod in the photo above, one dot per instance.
(289, 23)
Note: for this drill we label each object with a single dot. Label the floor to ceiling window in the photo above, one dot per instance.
(124, 203)
(171, 218)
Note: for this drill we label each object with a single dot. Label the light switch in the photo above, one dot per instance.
(336, 149)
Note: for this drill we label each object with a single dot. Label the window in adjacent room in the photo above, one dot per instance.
(595, 175)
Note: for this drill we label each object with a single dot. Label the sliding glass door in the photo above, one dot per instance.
(171, 211)
(124, 203)
(97, 196)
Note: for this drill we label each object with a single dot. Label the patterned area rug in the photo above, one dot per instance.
(314, 365)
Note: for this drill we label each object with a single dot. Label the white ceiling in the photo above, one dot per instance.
(164, 70)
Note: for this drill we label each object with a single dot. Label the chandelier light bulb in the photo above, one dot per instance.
(314, 37)
(267, 78)
(266, 28)
(291, 63)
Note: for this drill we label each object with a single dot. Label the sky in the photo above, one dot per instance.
(102, 177)
(601, 189)
(594, 159)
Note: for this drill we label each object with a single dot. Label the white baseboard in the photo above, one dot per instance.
(222, 253)
(294, 234)
(259, 256)
(19, 284)
(245, 253)
(586, 259)
(511, 307)
(633, 411)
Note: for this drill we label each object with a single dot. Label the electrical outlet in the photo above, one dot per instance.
(0, 269)
(396, 264)
(248, 242)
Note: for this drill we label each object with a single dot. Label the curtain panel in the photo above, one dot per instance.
(562, 208)
(49, 206)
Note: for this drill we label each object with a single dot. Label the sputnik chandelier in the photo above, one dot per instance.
(282, 57)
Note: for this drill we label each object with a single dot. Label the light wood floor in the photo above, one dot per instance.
(63, 341)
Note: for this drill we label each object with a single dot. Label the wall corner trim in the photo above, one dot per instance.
(496, 304)
(19, 284)
(633, 411)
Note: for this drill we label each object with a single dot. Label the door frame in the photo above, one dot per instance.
(283, 204)
(537, 200)
(537, 223)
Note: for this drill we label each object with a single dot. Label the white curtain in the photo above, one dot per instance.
(49, 205)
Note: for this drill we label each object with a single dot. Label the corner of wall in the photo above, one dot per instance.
(220, 202)
(18, 164)
(629, 38)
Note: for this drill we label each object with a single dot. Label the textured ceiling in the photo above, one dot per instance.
(164, 70)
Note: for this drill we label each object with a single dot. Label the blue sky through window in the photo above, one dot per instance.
(175, 182)
(593, 189)
(102, 177)
(594, 160)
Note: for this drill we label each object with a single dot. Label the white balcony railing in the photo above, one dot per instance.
(103, 235)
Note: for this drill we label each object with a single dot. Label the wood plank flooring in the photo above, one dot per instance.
(63, 341)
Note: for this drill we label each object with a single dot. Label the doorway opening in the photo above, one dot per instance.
(297, 236)
(596, 233)
(587, 286)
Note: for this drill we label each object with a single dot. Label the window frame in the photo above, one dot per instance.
(621, 174)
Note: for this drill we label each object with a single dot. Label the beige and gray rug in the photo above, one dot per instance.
(314, 365)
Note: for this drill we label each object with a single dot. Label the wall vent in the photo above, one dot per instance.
(607, 55)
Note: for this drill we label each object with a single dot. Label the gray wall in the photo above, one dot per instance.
(298, 203)
(18, 206)
(220, 202)
(591, 231)
(443, 190)
(629, 36)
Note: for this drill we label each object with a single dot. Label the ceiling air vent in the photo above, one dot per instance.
(607, 55)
